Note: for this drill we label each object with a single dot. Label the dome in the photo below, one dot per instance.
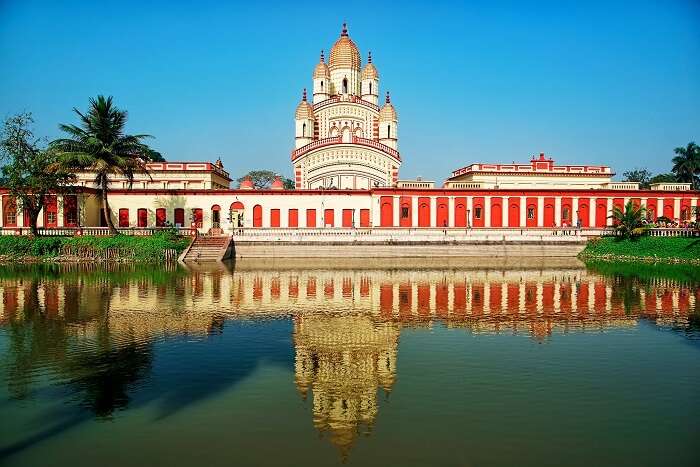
(247, 184)
(277, 183)
(344, 53)
(388, 113)
(321, 70)
(305, 111)
(370, 71)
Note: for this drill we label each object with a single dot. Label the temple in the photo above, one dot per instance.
(346, 165)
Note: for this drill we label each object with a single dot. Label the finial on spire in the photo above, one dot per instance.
(322, 58)
(303, 95)
(369, 57)
(345, 30)
(388, 99)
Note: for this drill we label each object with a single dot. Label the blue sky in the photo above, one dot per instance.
(609, 82)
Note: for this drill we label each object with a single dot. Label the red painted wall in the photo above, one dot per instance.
(257, 216)
(548, 217)
(405, 203)
(347, 217)
(478, 205)
(652, 209)
(386, 218)
(531, 203)
(293, 218)
(443, 211)
(364, 218)
(274, 217)
(142, 217)
(584, 212)
(496, 212)
(311, 218)
(668, 208)
(423, 212)
(50, 211)
(601, 212)
(161, 217)
(180, 217)
(460, 212)
(123, 217)
(329, 218)
(514, 211)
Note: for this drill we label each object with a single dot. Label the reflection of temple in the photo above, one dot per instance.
(344, 359)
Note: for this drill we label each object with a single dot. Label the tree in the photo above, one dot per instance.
(262, 179)
(663, 178)
(30, 173)
(642, 176)
(99, 145)
(629, 221)
(686, 165)
(154, 156)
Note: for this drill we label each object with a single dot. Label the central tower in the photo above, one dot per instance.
(343, 138)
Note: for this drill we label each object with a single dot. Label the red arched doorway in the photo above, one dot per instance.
(442, 213)
(460, 212)
(514, 212)
(142, 217)
(386, 211)
(257, 216)
(236, 214)
(601, 212)
(179, 217)
(548, 217)
(216, 216)
(405, 214)
(584, 213)
(423, 212)
(198, 217)
(496, 212)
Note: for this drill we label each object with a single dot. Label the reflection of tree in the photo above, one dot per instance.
(100, 372)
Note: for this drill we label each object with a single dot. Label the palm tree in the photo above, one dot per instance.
(99, 145)
(629, 221)
(686, 165)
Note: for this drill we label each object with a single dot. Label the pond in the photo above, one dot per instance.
(318, 363)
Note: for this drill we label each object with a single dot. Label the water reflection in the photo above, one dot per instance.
(93, 333)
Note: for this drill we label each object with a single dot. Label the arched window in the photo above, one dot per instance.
(257, 216)
(370, 87)
(345, 85)
(179, 217)
(388, 131)
(142, 217)
(321, 85)
(123, 217)
(303, 130)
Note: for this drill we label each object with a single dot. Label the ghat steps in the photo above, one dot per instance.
(207, 248)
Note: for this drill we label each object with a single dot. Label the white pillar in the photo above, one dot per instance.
(376, 212)
(397, 211)
(504, 210)
(608, 220)
(676, 208)
(557, 211)
(487, 211)
(451, 211)
(433, 211)
(523, 211)
(540, 211)
(470, 213)
(574, 211)
(414, 211)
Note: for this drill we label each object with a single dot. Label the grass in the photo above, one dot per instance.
(146, 249)
(669, 249)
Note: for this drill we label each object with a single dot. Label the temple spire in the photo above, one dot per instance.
(369, 57)
(345, 30)
(303, 95)
(388, 99)
(322, 57)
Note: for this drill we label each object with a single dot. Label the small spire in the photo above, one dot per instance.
(369, 57)
(388, 99)
(322, 57)
(303, 95)
(345, 30)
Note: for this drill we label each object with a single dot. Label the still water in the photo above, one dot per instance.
(324, 364)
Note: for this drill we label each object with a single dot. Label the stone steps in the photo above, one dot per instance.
(206, 249)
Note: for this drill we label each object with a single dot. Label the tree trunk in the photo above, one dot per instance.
(33, 219)
(105, 209)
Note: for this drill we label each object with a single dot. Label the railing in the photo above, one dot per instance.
(670, 186)
(339, 139)
(674, 232)
(350, 98)
(97, 231)
(316, 144)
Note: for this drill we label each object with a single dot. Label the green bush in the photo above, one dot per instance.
(681, 248)
(151, 248)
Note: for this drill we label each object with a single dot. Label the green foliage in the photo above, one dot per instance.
(99, 145)
(642, 176)
(146, 249)
(662, 248)
(30, 173)
(663, 178)
(629, 222)
(262, 179)
(686, 165)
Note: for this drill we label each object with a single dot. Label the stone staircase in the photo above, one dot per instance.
(207, 248)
